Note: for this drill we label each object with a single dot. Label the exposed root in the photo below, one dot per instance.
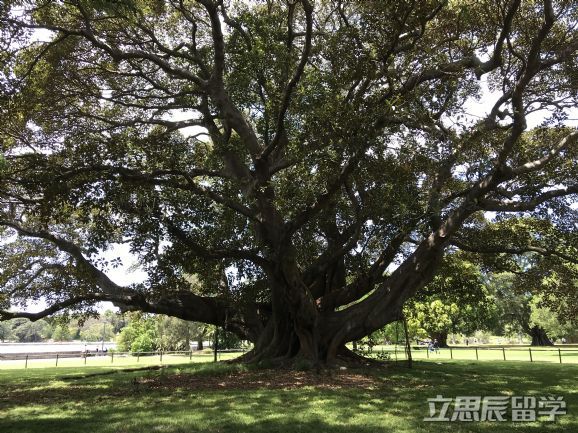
(345, 358)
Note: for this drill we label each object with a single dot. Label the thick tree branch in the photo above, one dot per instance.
(286, 99)
(216, 85)
(541, 162)
(43, 268)
(523, 206)
(96, 275)
(512, 250)
(159, 177)
(201, 251)
(366, 282)
(54, 308)
(473, 62)
(324, 199)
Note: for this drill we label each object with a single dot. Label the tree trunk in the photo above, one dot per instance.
(300, 324)
(298, 330)
(441, 337)
(278, 342)
(539, 337)
(287, 341)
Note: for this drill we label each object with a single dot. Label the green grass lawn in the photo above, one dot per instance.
(220, 398)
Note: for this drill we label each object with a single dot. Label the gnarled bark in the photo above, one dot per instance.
(539, 337)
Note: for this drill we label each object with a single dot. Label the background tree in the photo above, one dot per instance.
(95, 331)
(178, 334)
(61, 332)
(523, 310)
(31, 332)
(116, 320)
(554, 327)
(140, 335)
(147, 333)
(285, 154)
(456, 301)
(228, 340)
(5, 331)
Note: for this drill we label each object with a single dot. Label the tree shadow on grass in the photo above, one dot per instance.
(398, 403)
(307, 412)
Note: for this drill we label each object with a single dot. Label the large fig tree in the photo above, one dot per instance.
(291, 170)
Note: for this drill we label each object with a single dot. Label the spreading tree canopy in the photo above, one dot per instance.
(291, 170)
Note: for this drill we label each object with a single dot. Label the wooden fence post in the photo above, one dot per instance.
(215, 344)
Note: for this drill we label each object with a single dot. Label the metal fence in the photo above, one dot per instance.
(75, 359)
(559, 355)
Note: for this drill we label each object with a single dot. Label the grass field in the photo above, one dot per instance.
(221, 398)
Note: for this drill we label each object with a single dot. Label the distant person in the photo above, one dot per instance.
(467, 342)
(436, 346)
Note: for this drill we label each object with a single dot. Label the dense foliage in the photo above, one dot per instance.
(293, 171)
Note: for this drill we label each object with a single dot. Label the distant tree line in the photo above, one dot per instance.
(133, 332)
(21, 330)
